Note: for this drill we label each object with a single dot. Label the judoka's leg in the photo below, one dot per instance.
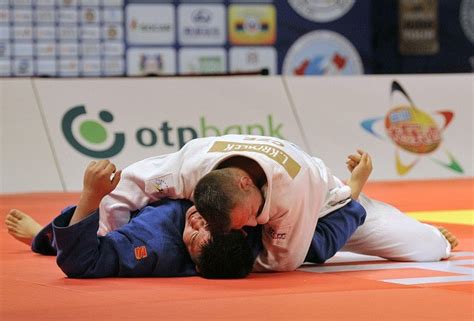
(390, 234)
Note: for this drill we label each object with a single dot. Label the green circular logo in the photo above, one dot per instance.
(93, 132)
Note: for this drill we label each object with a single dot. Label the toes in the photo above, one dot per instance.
(11, 219)
(10, 225)
(12, 230)
(453, 241)
(17, 214)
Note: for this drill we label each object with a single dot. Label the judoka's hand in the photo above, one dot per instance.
(360, 165)
(100, 178)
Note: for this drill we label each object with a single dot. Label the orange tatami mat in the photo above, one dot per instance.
(348, 287)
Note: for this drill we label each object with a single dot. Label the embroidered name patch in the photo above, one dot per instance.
(274, 153)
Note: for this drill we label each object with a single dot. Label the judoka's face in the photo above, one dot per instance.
(246, 211)
(195, 234)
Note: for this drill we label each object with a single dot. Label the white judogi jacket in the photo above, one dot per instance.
(299, 190)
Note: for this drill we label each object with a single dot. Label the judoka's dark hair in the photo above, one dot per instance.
(226, 256)
(215, 196)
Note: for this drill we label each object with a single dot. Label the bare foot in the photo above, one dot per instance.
(22, 226)
(450, 237)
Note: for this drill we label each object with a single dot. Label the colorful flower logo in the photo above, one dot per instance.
(414, 131)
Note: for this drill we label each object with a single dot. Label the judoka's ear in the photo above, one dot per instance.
(245, 182)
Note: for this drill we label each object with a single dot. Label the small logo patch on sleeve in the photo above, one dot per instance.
(279, 235)
(140, 252)
(162, 185)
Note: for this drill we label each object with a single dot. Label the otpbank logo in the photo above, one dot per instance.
(414, 131)
(91, 137)
(92, 133)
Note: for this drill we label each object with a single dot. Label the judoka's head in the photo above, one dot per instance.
(196, 232)
(228, 199)
(220, 256)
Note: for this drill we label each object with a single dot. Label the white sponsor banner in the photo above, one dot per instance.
(90, 49)
(68, 16)
(201, 24)
(114, 66)
(23, 49)
(202, 61)
(90, 15)
(46, 2)
(45, 16)
(47, 48)
(253, 59)
(22, 66)
(68, 49)
(423, 123)
(112, 32)
(415, 127)
(151, 61)
(113, 48)
(69, 67)
(91, 67)
(44, 33)
(22, 16)
(5, 67)
(4, 49)
(22, 33)
(113, 15)
(90, 33)
(113, 3)
(4, 15)
(46, 67)
(150, 24)
(5, 32)
(155, 116)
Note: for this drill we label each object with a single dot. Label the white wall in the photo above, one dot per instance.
(27, 162)
(323, 115)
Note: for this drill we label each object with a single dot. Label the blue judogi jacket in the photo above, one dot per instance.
(151, 243)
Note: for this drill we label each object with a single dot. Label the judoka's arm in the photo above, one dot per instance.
(360, 166)
(137, 188)
(80, 252)
(98, 182)
(334, 230)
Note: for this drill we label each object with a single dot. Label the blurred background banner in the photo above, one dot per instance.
(89, 38)
(415, 127)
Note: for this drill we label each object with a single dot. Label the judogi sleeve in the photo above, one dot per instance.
(132, 193)
(166, 176)
(333, 231)
(80, 253)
